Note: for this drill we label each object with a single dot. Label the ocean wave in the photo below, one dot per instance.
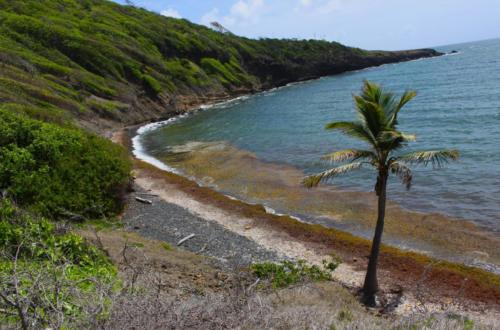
(154, 126)
(139, 152)
(452, 54)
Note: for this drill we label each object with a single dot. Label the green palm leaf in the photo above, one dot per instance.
(356, 130)
(435, 157)
(371, 114)
(392, 139)
(393, 116)
(349, 155)
(314, 180)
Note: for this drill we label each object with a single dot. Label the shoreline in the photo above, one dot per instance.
(436, 250)
(415, 274)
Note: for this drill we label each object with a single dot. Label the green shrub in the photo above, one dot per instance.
(36, 239)
(56, 272)
(222, 72)
(58, 171)
(95, 84)
(187, 72)
(152, 85)
(104, 105)
(166, 246)
(287, 273)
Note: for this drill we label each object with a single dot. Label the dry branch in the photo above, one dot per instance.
(185, 239)
(142, 200)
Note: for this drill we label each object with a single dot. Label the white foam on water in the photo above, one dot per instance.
(138, 149)
(452, 54)
(139, 152)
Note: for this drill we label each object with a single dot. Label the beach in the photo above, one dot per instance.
(420, 281)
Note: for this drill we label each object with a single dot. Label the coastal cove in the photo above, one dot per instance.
(182, 165)
(272, 178)
(425, 281)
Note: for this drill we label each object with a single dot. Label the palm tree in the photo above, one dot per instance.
(378, 112)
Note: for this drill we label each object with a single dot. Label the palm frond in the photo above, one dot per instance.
(370, 113)
(372, 92)
(314, 180)
(405, 98)
(408, 137)
(403, 172)
(353, 129)
(392, 139)
(349, 155)
(435, 157)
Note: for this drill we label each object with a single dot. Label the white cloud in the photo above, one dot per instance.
(241, 12)
(170, 12)
(246, 9)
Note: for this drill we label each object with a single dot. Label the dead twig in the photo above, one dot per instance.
(253, 285)
(143, 201)
(147, 194)
(185, 239)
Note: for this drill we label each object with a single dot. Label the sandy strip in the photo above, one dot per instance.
(286, 246)
(281, 243)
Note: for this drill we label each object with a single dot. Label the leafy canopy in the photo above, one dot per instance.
(377, 123)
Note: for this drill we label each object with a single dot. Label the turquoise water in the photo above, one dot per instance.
(458, 106)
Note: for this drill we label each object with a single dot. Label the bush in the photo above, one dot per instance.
(49, 278)
(58, 171)
(37, 239)
(287, 273)
(152, 85)
(222, 72)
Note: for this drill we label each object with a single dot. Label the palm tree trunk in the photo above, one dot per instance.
(370, 287)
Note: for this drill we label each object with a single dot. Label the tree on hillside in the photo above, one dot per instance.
(378, 112)
(219, 28)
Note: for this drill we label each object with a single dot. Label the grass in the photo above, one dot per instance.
(345, 315)
(202, 296)
(286, 273)
(166, 246)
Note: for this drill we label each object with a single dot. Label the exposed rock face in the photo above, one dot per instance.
(145, 109)
(280, 75)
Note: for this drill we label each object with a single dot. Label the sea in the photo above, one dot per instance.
(258, 148)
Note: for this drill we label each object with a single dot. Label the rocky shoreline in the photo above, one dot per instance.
(171, 223)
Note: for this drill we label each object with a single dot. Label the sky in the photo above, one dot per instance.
(368, 24)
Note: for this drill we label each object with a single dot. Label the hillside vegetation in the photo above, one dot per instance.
(60, 171)
(103, 63)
